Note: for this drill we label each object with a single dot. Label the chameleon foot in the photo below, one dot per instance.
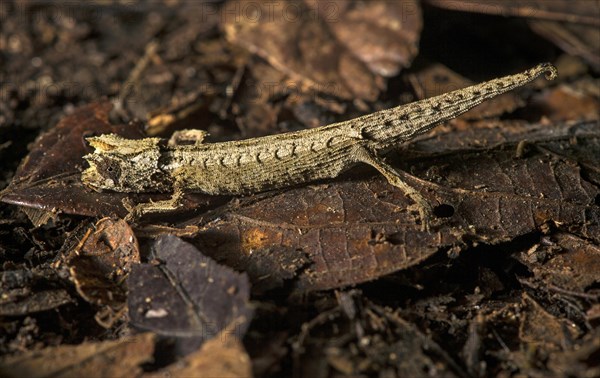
(395, 178)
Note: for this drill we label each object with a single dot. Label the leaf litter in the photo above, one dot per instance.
(506, 283)
(99, 265)
(184, 295)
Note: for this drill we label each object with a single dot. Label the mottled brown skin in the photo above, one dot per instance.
(279, 161)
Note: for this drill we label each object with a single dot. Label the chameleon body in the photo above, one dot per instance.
(283, 160)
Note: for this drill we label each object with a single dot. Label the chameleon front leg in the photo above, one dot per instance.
(394, 177)
(153, 207)
(139, 210)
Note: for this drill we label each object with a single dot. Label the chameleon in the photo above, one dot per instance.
(283, 160)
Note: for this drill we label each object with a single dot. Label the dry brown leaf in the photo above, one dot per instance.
(49, 178)
(100, 264)
(22, 302)
(340, 48)
(120, 358)
(187, 296)
(564, 263)
(544, 329)
(353, 231)
(222, 356)
(569, 102)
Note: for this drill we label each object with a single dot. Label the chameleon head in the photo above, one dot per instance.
(125, 165)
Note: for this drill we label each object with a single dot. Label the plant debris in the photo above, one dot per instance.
(328, 279)
(182, 294)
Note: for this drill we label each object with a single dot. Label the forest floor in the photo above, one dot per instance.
(333, 278)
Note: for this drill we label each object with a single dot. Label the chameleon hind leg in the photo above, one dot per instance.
(395, 178)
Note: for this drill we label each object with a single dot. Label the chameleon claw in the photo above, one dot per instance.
(132, 210)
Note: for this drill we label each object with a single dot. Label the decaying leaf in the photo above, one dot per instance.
(573, 101)
(564, 263)
(542, 328)
(22, 302)
(100, 264)
(222, 356)
(120, 358)
(459, 136)
(358, 230)
(185, 295)
(340, 48)
(49, 178)
(252, 99)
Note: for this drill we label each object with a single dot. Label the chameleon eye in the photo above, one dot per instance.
(109, 169)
